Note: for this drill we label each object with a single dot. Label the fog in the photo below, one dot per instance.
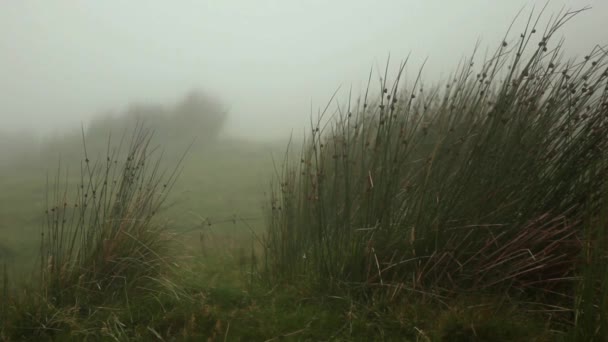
(269, 61)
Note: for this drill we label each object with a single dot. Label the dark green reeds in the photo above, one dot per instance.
(101, 241)
(484, 183)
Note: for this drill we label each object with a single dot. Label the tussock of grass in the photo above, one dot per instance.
(104, 240)
(484, 183)
(102, 250)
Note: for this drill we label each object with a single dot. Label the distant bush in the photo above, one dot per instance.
(195, 116)
(199, 114)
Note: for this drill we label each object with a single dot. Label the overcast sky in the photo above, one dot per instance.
(62, 61)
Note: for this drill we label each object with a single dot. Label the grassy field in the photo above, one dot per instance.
(471, 211)
(216, 214)
(216, 184)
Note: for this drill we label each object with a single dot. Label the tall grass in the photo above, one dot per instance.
(591, 302)
(103, 253)
(483, 183)
(102, 238)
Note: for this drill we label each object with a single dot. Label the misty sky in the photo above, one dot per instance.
(62, 61)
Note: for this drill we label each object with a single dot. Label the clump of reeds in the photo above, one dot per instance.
(101, 242)
(105, 259)
(481, 184)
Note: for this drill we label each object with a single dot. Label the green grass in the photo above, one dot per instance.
(471, 211)
(222, 294)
